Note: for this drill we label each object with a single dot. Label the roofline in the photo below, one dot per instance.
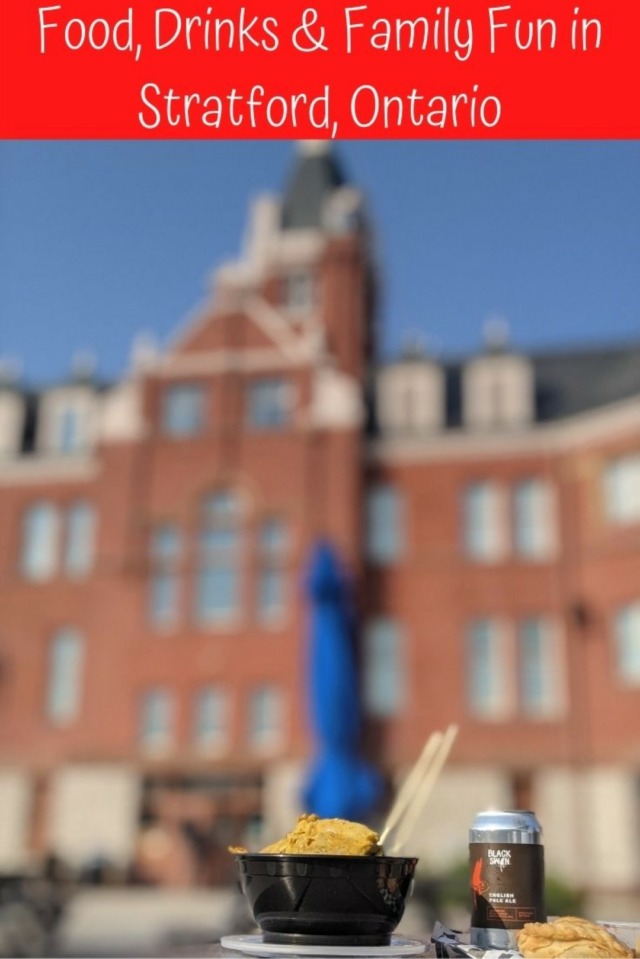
(584, 348)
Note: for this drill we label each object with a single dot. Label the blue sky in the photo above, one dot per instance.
(101, 240)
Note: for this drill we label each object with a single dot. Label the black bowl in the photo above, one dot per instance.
(326, 900)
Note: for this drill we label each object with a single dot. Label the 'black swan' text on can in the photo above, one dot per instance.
(506, 861)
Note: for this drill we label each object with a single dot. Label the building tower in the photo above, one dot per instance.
(164, 678)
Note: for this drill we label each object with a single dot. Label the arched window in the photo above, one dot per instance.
(40, 541)
(273, 546)
(64, 687)
(220, 555)
(164, 599)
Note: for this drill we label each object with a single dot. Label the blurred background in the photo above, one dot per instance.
(422, 368)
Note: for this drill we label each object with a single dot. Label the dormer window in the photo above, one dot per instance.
(498, 391)
(183, 410)
(298, 293)
(410, 397)
(69, 435)
(67, 420)
(12, 419)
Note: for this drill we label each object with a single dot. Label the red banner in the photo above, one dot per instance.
(347, 69)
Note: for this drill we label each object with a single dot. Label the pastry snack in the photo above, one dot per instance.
(325, 837)
(333, 837)
(572, 938)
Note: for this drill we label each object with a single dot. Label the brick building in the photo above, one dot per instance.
(153, 533)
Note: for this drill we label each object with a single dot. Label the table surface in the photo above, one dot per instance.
(215, 950)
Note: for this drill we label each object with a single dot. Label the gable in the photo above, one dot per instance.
(257, 326)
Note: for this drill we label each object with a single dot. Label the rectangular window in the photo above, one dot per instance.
(183, 410)
(540, 668)
(298, 291)
(483, 522)
(266, 718)
(80, 541)
(489, 693)
(156, 719)
(622, 489)
(40, 542)
(218, 589)
(384, 525)
(384, 674)
(533, 519)
(65, 677)
(165, 577)
(268, 404)
(211, 718)
(163, 599)
(271, 594)
(165, 544)
(273, 544)
(627, 635)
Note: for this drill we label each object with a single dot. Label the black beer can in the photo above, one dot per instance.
(506, 862)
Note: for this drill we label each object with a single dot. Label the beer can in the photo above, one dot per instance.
(506, 861)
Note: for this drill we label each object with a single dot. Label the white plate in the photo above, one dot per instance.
(254, 946)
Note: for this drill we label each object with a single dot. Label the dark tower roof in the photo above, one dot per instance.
(316, 173)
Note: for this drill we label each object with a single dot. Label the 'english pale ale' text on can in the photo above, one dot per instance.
(506, 861)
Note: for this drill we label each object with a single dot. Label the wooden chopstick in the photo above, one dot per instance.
(411, 784)
(414, 810)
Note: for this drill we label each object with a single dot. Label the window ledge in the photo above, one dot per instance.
(268, 750)
(230, 624)
(39, 467)
(273, 624)
(165, 629)
(214, 751)
(159, 752)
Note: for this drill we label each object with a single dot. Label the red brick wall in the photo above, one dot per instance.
(436, 590)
